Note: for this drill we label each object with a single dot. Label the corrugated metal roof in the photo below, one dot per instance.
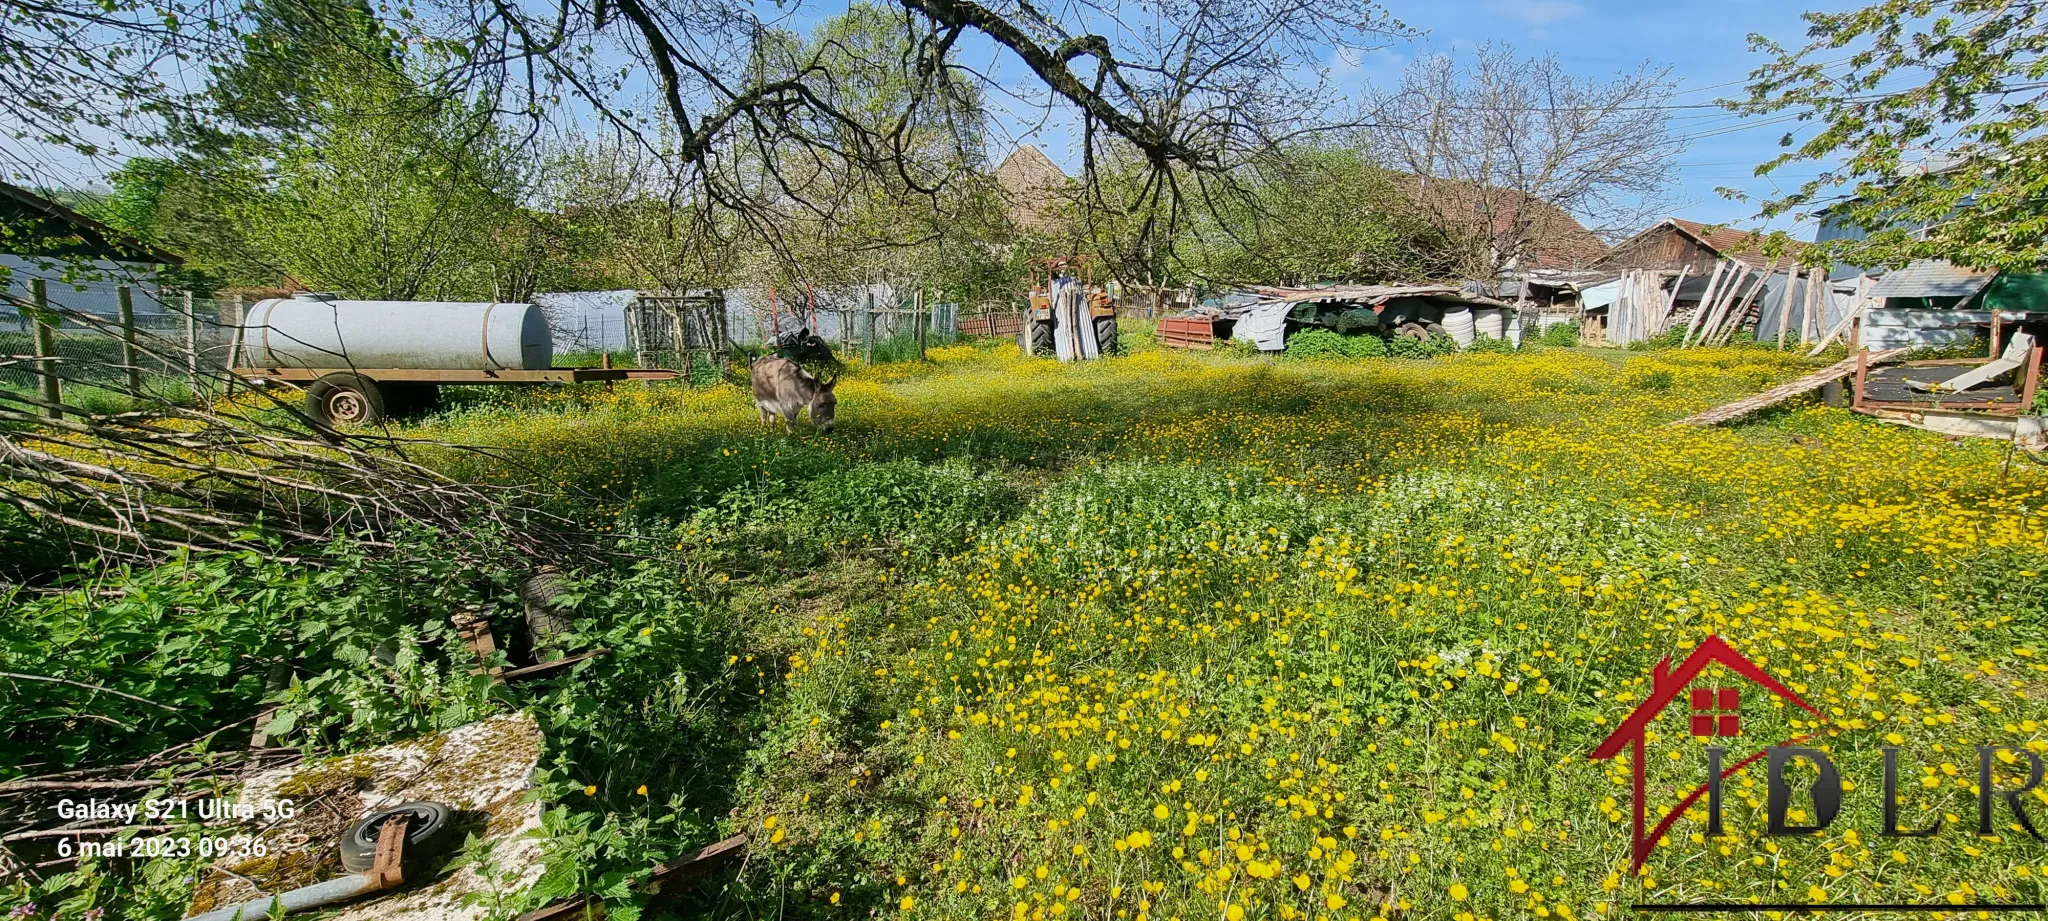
(1933, 278)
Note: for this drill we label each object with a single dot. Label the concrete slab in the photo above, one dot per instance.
(483, 770)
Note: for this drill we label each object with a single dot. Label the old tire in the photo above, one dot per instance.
(345, 399)
(432, 828)
(1041, 339)
(1105, 335)
(1414, 331)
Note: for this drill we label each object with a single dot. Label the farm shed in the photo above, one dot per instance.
(82, 262)
(1931, 303)
(1675, 244)
(1265, 316)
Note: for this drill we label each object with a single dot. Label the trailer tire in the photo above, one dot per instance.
(345, 399)
(1041, 339)
(429, 830)
(1105, 335)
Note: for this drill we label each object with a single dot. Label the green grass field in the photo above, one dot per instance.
(1185, 637)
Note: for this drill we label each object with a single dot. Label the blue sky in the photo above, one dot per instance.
(1703, 41)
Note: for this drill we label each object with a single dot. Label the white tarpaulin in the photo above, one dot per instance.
(1264, 325)
(1600, 295)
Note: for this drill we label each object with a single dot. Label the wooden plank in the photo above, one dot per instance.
(548, 668)
(1786, 391)
(1729, 288)
(1671, 305)
(1733, 321)
(2033, 380)
(1699, 310)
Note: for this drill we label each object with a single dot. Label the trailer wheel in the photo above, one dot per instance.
(345, 399)
(1105, 335)
(1041, 339)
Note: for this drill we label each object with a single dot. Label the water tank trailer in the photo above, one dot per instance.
(360, 361)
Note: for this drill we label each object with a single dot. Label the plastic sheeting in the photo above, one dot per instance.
(1264, 325)
(1835, 305)
(2021, 291)
(1073, 327)
(1600, 296)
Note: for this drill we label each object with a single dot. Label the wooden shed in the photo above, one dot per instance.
(1674, 244)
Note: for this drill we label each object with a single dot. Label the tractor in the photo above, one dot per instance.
(1071, 307)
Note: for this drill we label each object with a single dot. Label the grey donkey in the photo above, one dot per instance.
(783, 389)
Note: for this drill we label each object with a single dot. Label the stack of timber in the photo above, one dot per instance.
(1643, 310)
(1725, 307)
(1783, 392)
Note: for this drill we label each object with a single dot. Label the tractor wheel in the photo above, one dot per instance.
(345, 399)
(1041, 339)
(1105, 335)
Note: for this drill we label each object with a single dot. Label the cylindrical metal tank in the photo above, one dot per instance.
(318, 331)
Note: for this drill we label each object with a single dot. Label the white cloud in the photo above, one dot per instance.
(1539, 12)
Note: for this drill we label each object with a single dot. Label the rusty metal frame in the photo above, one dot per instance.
(2029, 382)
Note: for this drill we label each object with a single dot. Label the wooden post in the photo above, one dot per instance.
(46, 348)
(1816, 301)
(1995, 329)
(1862, 373)
(234, 356)
(869, 352)
(1784, 317)
(924, 319)
(2033, 379)
(192, 345)
(130, 355)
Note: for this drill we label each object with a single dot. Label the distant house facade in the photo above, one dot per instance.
(82, 262)
(1032, 185)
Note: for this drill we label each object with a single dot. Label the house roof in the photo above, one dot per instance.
(1561, 242)
(1933, 278)
(1030, 180)
(1727, 242)
(27, 218)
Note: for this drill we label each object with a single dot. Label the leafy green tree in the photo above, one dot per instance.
(1316, 213)
(1930, 117)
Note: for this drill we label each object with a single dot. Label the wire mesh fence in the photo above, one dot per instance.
(163, 350)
